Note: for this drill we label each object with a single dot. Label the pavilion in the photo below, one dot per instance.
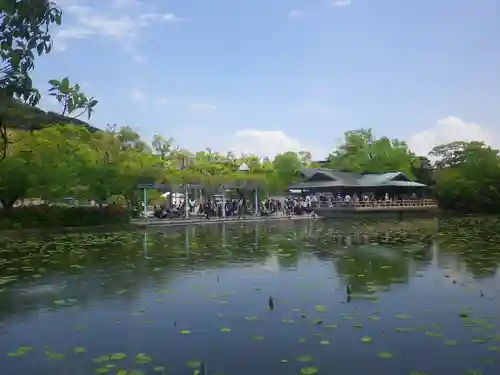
(322, 180)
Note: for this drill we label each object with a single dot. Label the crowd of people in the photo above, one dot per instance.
(217, 208)
(291, 205)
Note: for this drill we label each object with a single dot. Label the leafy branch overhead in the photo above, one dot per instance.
(71, 98)
(24, 34)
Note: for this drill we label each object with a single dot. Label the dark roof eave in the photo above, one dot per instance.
(303, 186)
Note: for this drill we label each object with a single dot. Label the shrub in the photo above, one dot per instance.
(44, 216)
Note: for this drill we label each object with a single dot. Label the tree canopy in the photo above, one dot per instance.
(66, 160)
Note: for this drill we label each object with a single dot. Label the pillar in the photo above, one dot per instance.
(186, 201)
(145, 201)
(223, 202)
(256, 192)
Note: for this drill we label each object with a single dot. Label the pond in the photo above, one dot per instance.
(291, 297)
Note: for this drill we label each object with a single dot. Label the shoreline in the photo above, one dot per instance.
(135, 224)
(158, 223)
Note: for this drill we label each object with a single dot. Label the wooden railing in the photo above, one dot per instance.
(430, 203)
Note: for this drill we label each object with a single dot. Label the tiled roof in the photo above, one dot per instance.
(340, 178)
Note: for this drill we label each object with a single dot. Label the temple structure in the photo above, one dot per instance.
(320, 180)
(367, 192)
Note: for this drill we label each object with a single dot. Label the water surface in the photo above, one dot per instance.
(347, 298)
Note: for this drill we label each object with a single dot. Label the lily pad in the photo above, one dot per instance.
(258, 338)
(101, 359)
(403, 316)
(102, 370)
(304, 358)
(142, 358)
(308, 370)
(117, 356)
(185, 332)
(194, 364)
(320, 308)
(450, 343)
(385, 355)
(366, 339)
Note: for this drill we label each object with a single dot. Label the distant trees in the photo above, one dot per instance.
(467, 176)
(360, 151)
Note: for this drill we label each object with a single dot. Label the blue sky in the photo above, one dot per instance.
(266, 76)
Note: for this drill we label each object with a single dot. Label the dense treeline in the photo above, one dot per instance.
(64, 160)
(464, 176)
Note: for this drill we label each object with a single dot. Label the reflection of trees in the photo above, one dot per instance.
(365, 267)
(103, 265)
(474, 241)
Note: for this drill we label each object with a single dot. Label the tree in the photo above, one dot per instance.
(305, 158)
(287, 164)
(423, 171)
(24, 32)
(162, 146)
(65, 160)
(71, 98)
(361, 152)
(468, 176)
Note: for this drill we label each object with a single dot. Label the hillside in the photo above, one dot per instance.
(25, 117)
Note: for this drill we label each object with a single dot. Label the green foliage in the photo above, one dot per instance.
(22, 116)
(468, 178)
(62, 160)
(465, 175)
(71, 98)
(24, 32)
(44, 216)
(361, 152)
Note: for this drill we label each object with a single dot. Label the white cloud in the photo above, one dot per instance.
(163, 100)
(138, 95)
(448, 130)
(116, 22)
(171, 17)
(295, 14)
(340, 3)
(268, 143)
(202, 107)
(141, 59)
(120, 4)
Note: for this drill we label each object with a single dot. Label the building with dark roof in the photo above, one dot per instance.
(321, 180)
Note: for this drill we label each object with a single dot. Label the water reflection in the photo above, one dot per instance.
(279, 290)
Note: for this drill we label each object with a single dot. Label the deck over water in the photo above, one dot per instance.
(329, 209)
(254, 298)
